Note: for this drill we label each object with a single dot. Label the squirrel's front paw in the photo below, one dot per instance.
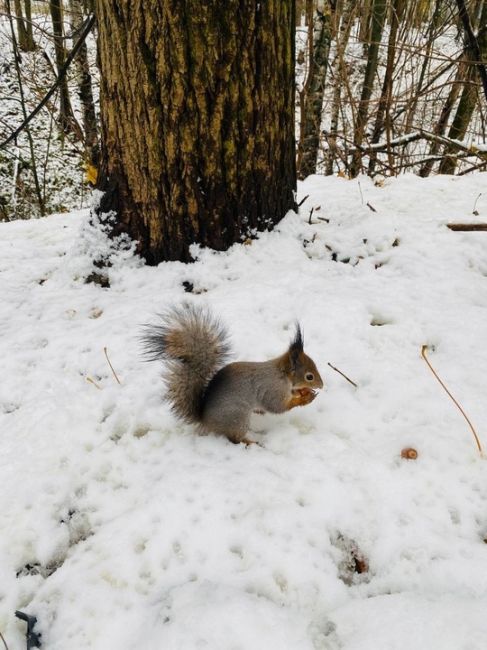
(307, 395)
(301, 397)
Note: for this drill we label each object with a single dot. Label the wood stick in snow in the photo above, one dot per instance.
(423, 354)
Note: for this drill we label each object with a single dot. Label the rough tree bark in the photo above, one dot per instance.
(197, 108)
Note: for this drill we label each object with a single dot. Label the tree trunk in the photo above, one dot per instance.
(197, 108)
(383, 117)
(340, 75)
(430, 39)
(90, 127)
(31, 44)
(67, 121)
(377, 18)
(476, 42)
(460, 122)
(365, 11)
(468, 99)
(24, 27)
(418, 14)
(299, 11)
(319, 31)
(441, 125)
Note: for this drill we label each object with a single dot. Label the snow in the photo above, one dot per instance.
(123, 529)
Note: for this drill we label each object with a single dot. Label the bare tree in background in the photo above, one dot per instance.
(90, 124)
(344, 16)
(41, 166)
(311, 100)
(24, 26)
(416, 82)
(67, 120)
(377, 19)
(383, 115)
(469, 96)
(33, 162)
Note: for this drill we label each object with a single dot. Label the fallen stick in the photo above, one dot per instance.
(467, 227)
(423, 354)
(343, 375)
(111, 367)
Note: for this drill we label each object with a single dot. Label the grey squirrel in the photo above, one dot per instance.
(219, 398)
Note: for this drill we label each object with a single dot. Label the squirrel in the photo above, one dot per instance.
(218, 397)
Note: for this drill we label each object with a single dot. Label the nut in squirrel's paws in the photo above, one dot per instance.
(303, 396)
(304, 391)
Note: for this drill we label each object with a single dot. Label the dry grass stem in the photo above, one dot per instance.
(92, 381)
(111, 367)
(423, 354)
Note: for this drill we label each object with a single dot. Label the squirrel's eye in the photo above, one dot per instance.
(309, 376)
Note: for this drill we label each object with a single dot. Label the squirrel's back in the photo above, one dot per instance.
(194, 346)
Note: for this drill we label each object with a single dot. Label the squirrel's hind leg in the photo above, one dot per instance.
(230, 422)
(237, 438)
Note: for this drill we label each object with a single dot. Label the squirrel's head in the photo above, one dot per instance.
(301, 368)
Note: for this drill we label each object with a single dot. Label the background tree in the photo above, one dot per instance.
(383, 114)
(402, 88)
(311, 100)
(344, 18)
(33, 163)
(25, 35)
(377, 17)
(66, 116)
(41, 167)
(197, 111)
(85, 85)
(469, 96)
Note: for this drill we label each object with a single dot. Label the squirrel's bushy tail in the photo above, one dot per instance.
(194, 346)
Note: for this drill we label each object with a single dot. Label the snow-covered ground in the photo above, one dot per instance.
(122, 529)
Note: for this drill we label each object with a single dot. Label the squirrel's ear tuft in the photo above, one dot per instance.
(297, 344)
